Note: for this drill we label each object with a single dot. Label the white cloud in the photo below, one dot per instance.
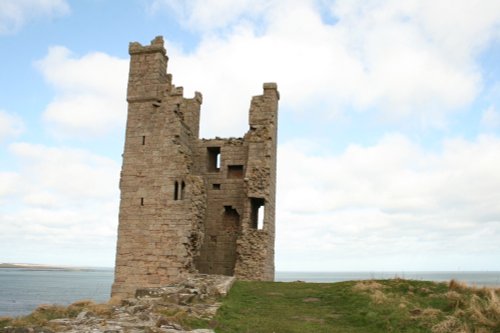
(8, 184)
(393, 200)
(90, 92)
(10, 125)
(67, 171)
(461, 28)
(410, 61)
(491, 118)
(15, 13)
(60, 198)
(211, 14)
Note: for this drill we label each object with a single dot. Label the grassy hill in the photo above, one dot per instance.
(358, 307)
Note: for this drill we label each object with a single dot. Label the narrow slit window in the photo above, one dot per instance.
(257, 213)
(176, 190)
(143, 140)
(183, 186)
(142, 201)
(214, 161)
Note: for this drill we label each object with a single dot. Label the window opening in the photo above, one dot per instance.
(216, 186)
(235, 171)
(142, 201)
(213, 159)
(257, 213)
(176, 190)
(183, 186)
(260, 218)
(143, 140)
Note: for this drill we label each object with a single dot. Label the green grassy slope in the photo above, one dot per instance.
(369, 306)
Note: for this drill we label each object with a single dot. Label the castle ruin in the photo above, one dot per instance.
(187, 204)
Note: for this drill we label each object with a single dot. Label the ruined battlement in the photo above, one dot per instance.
(155, 46)
(187, 204)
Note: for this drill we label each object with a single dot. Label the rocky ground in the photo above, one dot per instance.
(165, 310)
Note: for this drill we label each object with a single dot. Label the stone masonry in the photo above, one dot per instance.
(191, 205)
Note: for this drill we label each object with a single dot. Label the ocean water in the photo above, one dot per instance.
(22, 290)
(487, 279)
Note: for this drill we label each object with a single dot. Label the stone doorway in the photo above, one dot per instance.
(218, 253)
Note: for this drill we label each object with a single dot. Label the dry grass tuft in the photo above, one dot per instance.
(455, 298)
(115, 301)
(82, 303)
(378, 297)
(102, 310)
(5, 321)
(46, 312)
(486, 311)
(479, 307)
(99, 309)
(43, 314)
(482, 330)
(450, 325)
(373, 288)
(369, 286)
(457, 285)
(431, 313)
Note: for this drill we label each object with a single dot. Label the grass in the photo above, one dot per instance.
(358, 307)
(374, 306)
(44, 313)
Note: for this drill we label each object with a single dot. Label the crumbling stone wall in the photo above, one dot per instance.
(188, 204)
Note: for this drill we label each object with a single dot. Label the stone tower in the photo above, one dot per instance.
(187, 204)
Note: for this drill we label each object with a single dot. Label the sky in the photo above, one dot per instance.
(389, 123)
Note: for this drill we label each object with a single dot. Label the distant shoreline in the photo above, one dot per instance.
(39, 267)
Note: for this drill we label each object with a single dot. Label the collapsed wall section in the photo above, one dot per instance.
(222, 165)
(240, 177)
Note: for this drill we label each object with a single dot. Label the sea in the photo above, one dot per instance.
(22, 290)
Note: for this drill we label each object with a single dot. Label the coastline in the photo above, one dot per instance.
(41, 267)
(26, 286)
